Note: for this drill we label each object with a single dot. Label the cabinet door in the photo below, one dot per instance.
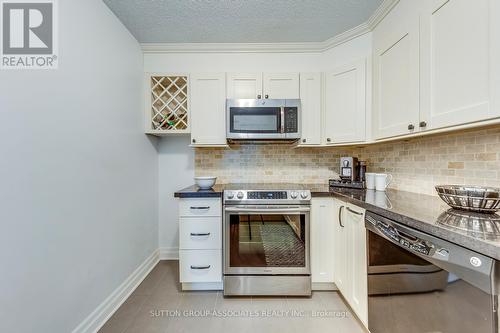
(345, 104)
(281, 85)
(357, 275)
(340, 248)
(322, 239)
(208, 100)
(310, 92)
(244, 85)
(396, 71)
(460, 61)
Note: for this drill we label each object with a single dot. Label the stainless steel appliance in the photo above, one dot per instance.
(266, 242)
(420, 283)
(263, 119)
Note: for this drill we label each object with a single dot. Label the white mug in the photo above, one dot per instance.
(370, 181)
(382, 180)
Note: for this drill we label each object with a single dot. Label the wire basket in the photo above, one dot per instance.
(470, 198)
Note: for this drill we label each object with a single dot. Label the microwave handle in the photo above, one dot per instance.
(282, 112)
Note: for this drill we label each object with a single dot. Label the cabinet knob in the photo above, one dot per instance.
(259, 96)
(304, 140)
(423, 124)
(411, 127)
(328, 140)
(267, 96)
(194, 141)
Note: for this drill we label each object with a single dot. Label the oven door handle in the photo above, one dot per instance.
(268, 210)
(282, 114)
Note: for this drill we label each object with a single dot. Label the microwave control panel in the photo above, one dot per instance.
(291, 120)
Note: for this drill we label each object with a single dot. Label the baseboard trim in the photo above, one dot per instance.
(323, 286)
(169, 253)
(108, 307)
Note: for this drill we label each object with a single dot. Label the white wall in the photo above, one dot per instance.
(176, 170)
(174, 151)
(78, 178)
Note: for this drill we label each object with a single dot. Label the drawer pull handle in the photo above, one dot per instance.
(200, 208)
(354, 212)
(200, 267)
(340, 216)
(200, 235)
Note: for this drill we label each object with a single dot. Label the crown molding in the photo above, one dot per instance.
(381, 12)
(304, 47)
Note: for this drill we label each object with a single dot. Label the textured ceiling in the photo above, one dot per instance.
(240, 21)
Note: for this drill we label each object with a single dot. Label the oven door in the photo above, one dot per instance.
(255, 119)
(418, 283)
(266, 240)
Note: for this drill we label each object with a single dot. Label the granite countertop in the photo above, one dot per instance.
(194, 191)
(426, 213)
(429, 214)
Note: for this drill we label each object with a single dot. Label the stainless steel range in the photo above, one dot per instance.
(266, 241)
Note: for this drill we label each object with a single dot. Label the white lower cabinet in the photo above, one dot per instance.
(200, 233)
(322, 240)
(350, 274)
(357, 291)
(200, 266)
(200, 243)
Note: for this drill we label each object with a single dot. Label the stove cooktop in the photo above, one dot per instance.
(266, 194)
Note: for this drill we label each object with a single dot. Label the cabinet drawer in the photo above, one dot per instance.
(200, 265)
(200, 207)
(200, 233)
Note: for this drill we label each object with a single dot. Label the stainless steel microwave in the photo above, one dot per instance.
(263, 119)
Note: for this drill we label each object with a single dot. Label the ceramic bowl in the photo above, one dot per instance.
(205, 183)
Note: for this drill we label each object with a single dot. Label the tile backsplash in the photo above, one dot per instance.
(466, 157)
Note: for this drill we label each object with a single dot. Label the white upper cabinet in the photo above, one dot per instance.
(310, 96)
(396, 72)
(322, 239)
(244, 85)
(208, 111)
(345, 104)
(460, 52)
(281, 86)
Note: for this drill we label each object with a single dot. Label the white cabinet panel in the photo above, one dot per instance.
(322, 239)
(208, 111)
(200, 207)
(350, 274)
(396, 71)
(200, 266)
(340, 248)
(345, 104)
(244, 85)
(281, 85)
(197, 233)
(357, 274)
(459, 50)
(310, 96)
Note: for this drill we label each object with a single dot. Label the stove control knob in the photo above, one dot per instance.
(294, 195)
(230, 195)
(240, 195)
(304, 195)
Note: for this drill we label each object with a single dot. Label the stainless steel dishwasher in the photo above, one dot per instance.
(418, 283)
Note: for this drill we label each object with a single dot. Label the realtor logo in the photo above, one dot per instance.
(28, 34)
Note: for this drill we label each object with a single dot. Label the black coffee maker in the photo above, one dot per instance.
(352, 173)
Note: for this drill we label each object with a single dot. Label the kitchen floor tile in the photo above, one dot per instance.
(159, 306)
